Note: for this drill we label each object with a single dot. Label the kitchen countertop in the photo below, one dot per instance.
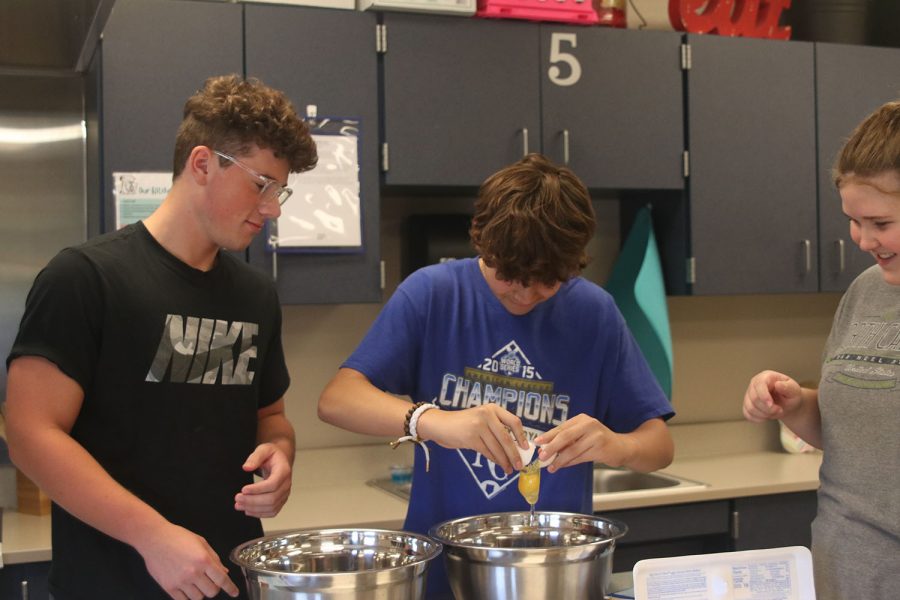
(329, 490)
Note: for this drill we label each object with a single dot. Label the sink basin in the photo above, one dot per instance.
(607, 481)
(612, 480)
(401, 490)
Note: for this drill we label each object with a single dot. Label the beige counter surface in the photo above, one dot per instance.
(329, 490)
(726, 476)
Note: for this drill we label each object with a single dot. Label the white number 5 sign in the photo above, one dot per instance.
(558, 56)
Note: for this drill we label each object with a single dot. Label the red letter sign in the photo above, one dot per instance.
(746, 18)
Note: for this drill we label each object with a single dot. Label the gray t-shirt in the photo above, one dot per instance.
(856, 534)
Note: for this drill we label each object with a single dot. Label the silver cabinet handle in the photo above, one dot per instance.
(25, 590)
(273, 241)
(807, 250)
(524, 141)
(565, 147)
(841, 260)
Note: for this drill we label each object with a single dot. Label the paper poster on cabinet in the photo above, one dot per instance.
(137, 194)
(324, 211)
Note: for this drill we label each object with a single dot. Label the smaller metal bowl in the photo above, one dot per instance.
(336, 564)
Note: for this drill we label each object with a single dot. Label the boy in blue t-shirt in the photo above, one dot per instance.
(512, 341)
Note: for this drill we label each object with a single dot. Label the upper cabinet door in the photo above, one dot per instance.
(154, 56)
(326, 58)
(752, 187)
(851, 82)
(612, 105)
(460, 98)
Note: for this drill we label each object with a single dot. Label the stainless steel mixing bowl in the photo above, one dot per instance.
(337, 564)
(506, 555)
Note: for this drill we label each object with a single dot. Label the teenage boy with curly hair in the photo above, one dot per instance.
(146, 382)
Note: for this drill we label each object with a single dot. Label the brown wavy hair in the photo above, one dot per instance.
(231, 114)
(873, 147)
(533, 221)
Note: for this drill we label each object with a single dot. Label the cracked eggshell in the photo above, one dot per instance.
(528, 455)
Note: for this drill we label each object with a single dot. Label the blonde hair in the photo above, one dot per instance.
(872, 149)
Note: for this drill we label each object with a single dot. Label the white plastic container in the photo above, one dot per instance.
(345, 4)
(774, 572)
(462, 8)
(792, 442)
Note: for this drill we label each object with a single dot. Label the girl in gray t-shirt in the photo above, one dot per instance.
(854, 415)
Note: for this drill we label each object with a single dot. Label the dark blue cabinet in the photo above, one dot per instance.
(752, 183)
(24, 581)
(325, 58)
(465, 97)
(611, 105)
(749, 523)
(461, 98)
(773, 521)
(676, 530)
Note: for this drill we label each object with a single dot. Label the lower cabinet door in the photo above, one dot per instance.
(675, 530)
(25, 581)
(773, 521)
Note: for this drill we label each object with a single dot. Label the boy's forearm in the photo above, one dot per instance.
(351, 402)
(652, 447)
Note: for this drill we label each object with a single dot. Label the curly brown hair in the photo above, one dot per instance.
(533, 221)
(231, 114)
(873, 147)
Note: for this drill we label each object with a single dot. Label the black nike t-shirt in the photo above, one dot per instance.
(174, 364)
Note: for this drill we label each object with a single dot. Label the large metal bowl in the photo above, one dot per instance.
(337, 564)
(507, 555)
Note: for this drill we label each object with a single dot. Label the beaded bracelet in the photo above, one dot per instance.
(409, 415)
